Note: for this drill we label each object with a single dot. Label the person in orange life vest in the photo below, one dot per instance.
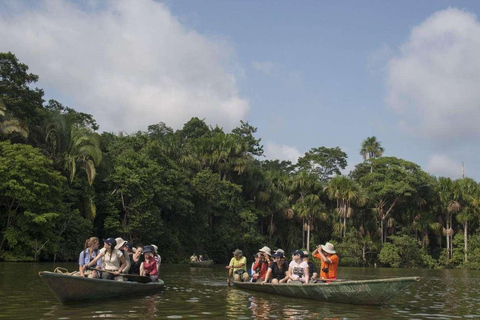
(329, 261)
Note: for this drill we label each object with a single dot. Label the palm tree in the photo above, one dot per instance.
(10, 125)
(471, 200)
(310, 208)
(302, 185)
(449, 194)
(346, 192)
(371, 149)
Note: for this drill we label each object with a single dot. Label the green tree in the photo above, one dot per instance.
(371, 149)
(30, 195)
(324, 162)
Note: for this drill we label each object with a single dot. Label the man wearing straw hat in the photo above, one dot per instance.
(329, 261)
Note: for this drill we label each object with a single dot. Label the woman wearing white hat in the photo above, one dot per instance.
(328, 259)
(262, 262)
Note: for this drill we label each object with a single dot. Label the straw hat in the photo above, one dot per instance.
(328, 247)
(266, 250)
(155, 247)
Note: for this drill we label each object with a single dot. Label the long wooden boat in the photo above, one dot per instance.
(69, 288)
(202, 264)
(365, 292)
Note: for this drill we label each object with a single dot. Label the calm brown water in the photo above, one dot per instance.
(203, 294)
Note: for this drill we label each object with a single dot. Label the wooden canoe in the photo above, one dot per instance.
(69, 288)
(202, 264)
(364, 292)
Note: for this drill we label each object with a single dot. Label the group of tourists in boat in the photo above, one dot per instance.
(195, 258)
(274, 268)
(117, 257)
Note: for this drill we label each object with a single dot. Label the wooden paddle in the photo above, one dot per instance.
(134, 277)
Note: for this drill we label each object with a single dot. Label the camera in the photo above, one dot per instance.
(325, 270)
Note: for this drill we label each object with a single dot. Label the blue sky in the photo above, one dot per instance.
(306, 73)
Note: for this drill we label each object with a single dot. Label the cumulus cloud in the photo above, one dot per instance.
(442, 165)
(281, 152)
(433, 82)
(129, 63)
(266, 67)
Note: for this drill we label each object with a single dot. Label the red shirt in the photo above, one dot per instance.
(150, 266)
(263, 268)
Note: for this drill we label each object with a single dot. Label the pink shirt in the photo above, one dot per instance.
(150, 266)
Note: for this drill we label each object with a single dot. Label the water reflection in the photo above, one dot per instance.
(203, 294)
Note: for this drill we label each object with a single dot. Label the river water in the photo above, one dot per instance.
(192, 293)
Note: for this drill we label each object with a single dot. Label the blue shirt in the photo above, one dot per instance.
(85, 258)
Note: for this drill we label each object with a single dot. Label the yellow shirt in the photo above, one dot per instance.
(235, 262)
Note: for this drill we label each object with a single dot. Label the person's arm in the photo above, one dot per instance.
(314, 276)
(155, 269)
(324, 258)
(142, 269)
(122, 266)
(267, 276)
(92, 263)
(81, 263)
(307, 274)
(289, 273)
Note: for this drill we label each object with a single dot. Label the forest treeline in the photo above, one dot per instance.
(201, 189)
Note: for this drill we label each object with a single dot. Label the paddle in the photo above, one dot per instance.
(134, 277)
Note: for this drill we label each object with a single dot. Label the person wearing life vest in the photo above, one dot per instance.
(329, 261)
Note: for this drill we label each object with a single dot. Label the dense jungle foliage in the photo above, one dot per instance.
(201, 189)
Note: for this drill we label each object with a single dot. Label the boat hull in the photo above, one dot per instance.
(69, 288)
(202, 264)
(364, 292)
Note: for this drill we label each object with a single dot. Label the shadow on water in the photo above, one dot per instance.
(202, 293)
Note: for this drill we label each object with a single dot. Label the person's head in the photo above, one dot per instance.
(128, 247)
(297, 255)
(277, 257)
(139, 250)
(109, 244)
(120, 244)
(265, 252)
(328, 249)
(148, 252)
(92, 243)
(200, 256)
(306, 255)
(238, 254)
(155, 249)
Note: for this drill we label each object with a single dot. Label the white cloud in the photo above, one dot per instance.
(265, 67)
(442, 165)
(282, 152)
(129, 63)
(433, 83)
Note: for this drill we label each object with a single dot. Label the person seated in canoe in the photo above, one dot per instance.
(262, 262)
(329, 261)
(237, 267)
(254, 272)
(277, 270)
(149, 266)
(311, 267)
(128, 249)
(113, 260)
(88, 254)
(137, 259)
(201, 258)
(121, 246)
(298, 270)
(194, 258)
(157, 257)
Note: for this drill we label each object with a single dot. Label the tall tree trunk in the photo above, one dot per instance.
(308, 234)
(447, 238)
(381, 231)
(303, 232)
(465, 234)
(451, 238)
